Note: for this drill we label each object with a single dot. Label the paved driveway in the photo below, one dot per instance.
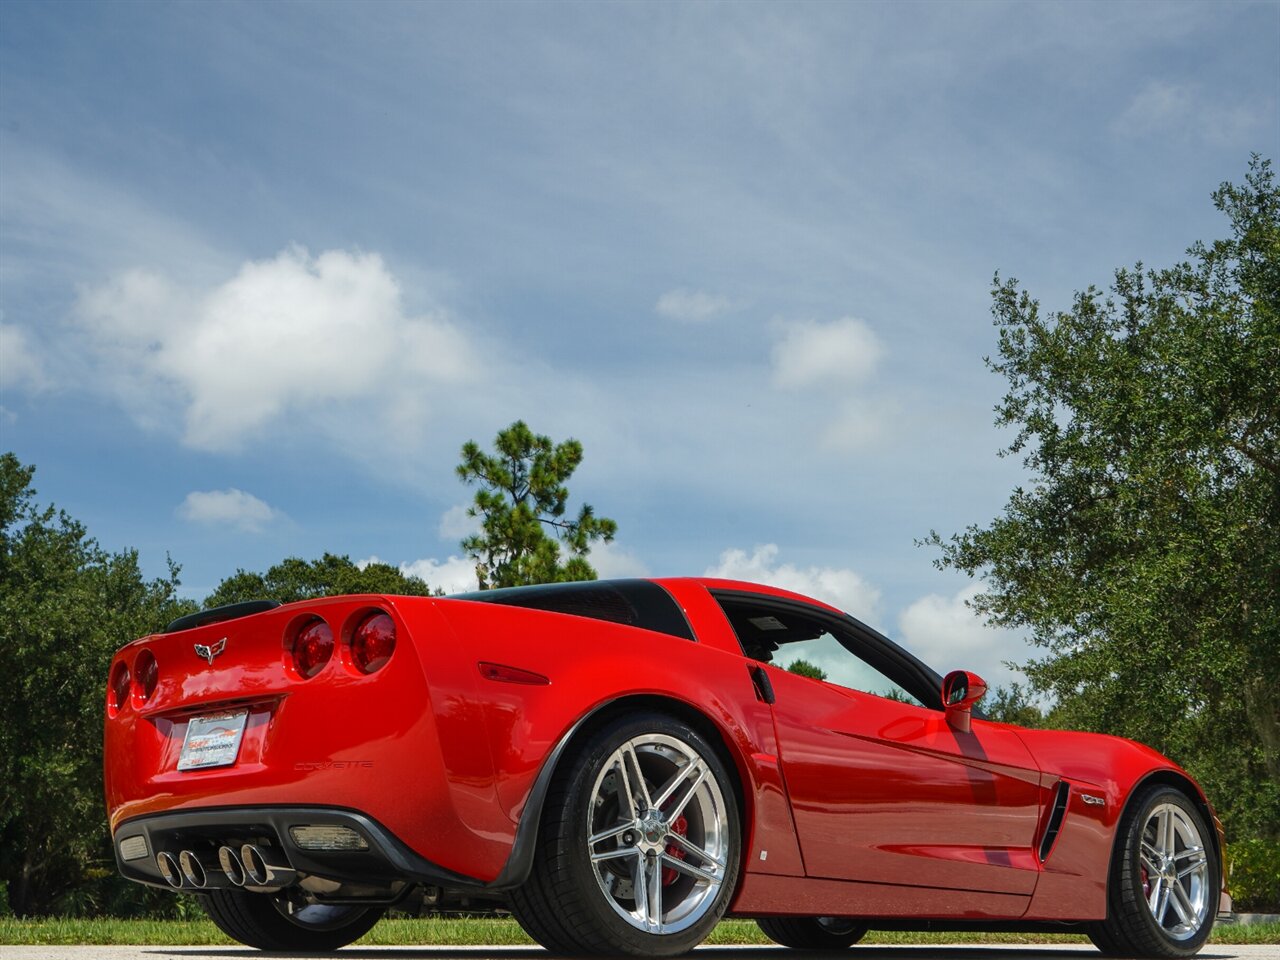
(960, 952)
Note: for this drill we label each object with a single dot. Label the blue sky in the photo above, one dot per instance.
(265, 267)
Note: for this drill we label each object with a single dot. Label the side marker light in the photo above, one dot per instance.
(504, 674)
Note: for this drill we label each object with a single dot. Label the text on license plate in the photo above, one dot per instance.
(213, 740)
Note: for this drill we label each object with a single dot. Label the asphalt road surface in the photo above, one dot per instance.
(959, 952)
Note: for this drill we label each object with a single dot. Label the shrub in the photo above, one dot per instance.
(1254, 875)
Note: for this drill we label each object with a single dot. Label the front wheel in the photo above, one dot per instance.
(274, 922)
(639, 844)
(812, 933)
(1163, 892)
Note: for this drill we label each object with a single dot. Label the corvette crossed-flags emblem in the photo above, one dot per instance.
(211, 651)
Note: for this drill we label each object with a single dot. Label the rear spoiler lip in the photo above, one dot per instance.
(231, 611)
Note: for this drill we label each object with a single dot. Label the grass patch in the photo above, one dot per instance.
(459, 931)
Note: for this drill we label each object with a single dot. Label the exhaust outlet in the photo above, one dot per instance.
(169, 869)
(265, 870)
(192, 868)
(232, 868)
(195, 874)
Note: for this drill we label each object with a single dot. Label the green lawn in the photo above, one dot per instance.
(497, 932)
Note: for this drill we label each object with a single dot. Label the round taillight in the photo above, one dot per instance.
(118, 694)
(146, 674)
(312, 647)
(373, 642)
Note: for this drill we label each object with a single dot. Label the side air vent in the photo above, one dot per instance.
(1058, 811)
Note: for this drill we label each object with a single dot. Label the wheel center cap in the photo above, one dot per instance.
(653, 828)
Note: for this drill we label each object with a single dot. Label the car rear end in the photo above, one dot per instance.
(297, 748)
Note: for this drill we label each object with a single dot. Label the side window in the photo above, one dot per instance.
(836, 664)
(810, 644)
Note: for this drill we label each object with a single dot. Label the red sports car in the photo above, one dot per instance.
(620, 764)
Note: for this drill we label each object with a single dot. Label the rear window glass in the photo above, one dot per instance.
(635, 603)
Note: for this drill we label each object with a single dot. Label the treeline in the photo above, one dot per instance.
(67, 604)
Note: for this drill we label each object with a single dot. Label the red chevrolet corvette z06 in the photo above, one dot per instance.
(620, 764)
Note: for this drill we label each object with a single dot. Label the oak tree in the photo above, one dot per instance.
(1143, 552)
(66, 606)
(296, 579)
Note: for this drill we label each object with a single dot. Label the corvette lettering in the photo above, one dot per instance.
(334, 765)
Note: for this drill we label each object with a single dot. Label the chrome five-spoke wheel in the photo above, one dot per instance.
(641, 842)
(1162, 895)
(1175, 872)
(658, 837)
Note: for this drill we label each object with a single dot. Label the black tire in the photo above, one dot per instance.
(1145, 866)
(261, 920)
(1103, 940)
(812, 933)
(572, 904)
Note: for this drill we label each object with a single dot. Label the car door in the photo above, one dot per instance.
(882, 788)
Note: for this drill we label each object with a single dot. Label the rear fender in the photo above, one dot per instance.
(765, 821)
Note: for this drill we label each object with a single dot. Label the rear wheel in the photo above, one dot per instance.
(638, 847)
(812, 933)
(274, 922)
(1163, 892)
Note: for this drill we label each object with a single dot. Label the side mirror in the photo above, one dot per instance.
(960, 691)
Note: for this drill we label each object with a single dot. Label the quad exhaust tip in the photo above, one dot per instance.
(169, 869)
(192, 868)
(264, 869)
(251, 867)
(232, 868)
(196, 875)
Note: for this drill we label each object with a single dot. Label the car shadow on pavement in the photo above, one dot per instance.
(904, 952)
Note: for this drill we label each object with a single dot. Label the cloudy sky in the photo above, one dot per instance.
(265, 267)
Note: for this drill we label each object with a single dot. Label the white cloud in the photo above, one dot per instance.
(840, 587)
(1186, 110)
(230, 507)
(458, 574)
(454, 575)
(20, 365)
(948, 635)
(611, 561)
(71, 220)
(295, 337)
(857, 423)
(844, 352)
(693, 306)
(455, 524)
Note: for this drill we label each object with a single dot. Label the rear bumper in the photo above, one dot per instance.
(387, 858)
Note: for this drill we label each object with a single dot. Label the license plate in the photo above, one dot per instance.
(212, 741)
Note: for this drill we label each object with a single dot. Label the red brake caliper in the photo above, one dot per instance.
(671, 874)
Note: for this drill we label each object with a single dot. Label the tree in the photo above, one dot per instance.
(296, 579)
(66, 606)
(522, 496)
(1012, 704)
(806, 669)
(1144, 554)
